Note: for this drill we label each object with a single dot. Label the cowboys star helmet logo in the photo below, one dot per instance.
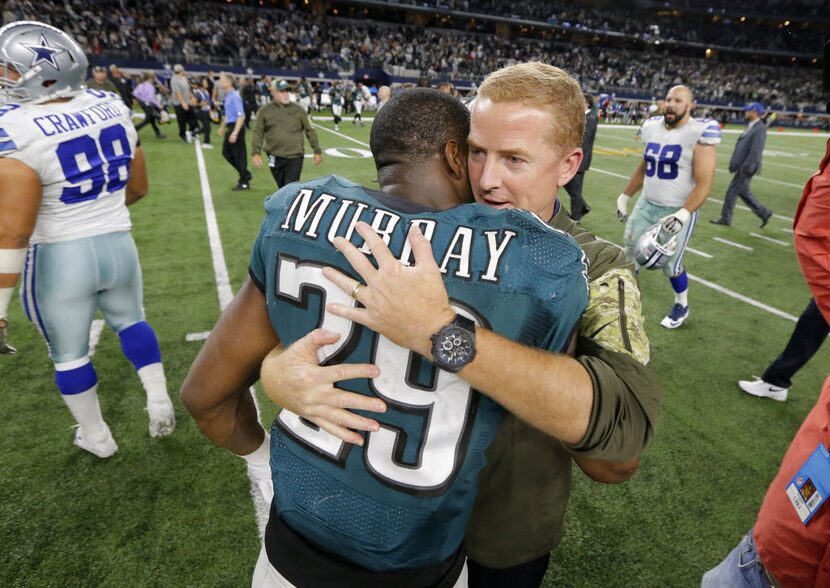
(44, 53)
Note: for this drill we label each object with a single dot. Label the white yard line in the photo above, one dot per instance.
(223, 288)
(770, 180)
(610, 173)
(790, 231)
(732, 244)
(197, 336)
(95, 330)
(339, 134)
(701, 253)
(770, 239)
(742, 298)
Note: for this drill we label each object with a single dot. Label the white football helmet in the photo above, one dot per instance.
(655, 247)
(49, 62)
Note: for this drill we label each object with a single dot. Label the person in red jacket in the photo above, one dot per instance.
(787, 547)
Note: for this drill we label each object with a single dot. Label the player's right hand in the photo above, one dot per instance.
(622, 207)
(294, 379)
(256, 159)
(5, 348)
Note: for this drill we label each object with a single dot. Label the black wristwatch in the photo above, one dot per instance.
(454, 345)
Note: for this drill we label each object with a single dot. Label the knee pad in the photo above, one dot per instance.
(74, 377)
(140, 345)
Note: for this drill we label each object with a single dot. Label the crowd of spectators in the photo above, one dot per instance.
(172, 31)
(653, 24)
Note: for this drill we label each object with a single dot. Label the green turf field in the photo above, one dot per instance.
(176, 512)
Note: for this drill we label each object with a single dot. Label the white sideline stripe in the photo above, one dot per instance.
(339, 134)
(742, 207)
(701, 253)
(95, 330)
(197, 336)
(770, 239)
(223, 287)
(790, 231)
(732, 293)
(732, 243)
(742, 298)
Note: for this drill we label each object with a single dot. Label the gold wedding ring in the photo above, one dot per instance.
(353, 293)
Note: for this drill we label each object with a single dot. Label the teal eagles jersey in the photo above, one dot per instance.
(403, 499)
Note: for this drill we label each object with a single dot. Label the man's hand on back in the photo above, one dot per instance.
(407, 305)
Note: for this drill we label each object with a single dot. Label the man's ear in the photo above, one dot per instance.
(569, 165)
(456, 159)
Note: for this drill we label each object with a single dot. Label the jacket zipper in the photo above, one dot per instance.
(623, 321)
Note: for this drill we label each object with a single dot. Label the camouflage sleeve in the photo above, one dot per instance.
(614, 350)
(614, 316)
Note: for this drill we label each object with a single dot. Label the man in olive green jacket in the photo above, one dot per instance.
(278, 131)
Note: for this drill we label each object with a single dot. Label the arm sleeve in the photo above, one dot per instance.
(627, 398)
(256, 266)
(311, 134)
(259, 131)
(711, 134)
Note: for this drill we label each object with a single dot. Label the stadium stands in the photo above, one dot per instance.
(233, 34)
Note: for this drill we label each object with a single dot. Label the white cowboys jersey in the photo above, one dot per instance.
(82, 150)
(669, 153)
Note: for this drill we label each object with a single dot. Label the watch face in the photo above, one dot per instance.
(453, 348)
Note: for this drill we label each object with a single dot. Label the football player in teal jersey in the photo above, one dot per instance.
(524, 140)
(391, 510)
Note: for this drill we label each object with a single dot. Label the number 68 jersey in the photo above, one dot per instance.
(403, 499)
(669, 156)
(81, 149)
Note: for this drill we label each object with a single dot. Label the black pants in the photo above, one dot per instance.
(574, 190)
(237, 153)
(186, 119)
(526, 575)
(250, 109)
(203, 116)
(810, 332)
(151, 117)
(739, 187)
(285, 170)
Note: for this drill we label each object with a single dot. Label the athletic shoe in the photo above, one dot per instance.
(188, 136)
(762, 389)
(207, 146)
(719, 221)
(161, 136)
(765, 219)
(239, 187)
(675, 318)
(336, 127)
(104, 448)
(162, 418)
